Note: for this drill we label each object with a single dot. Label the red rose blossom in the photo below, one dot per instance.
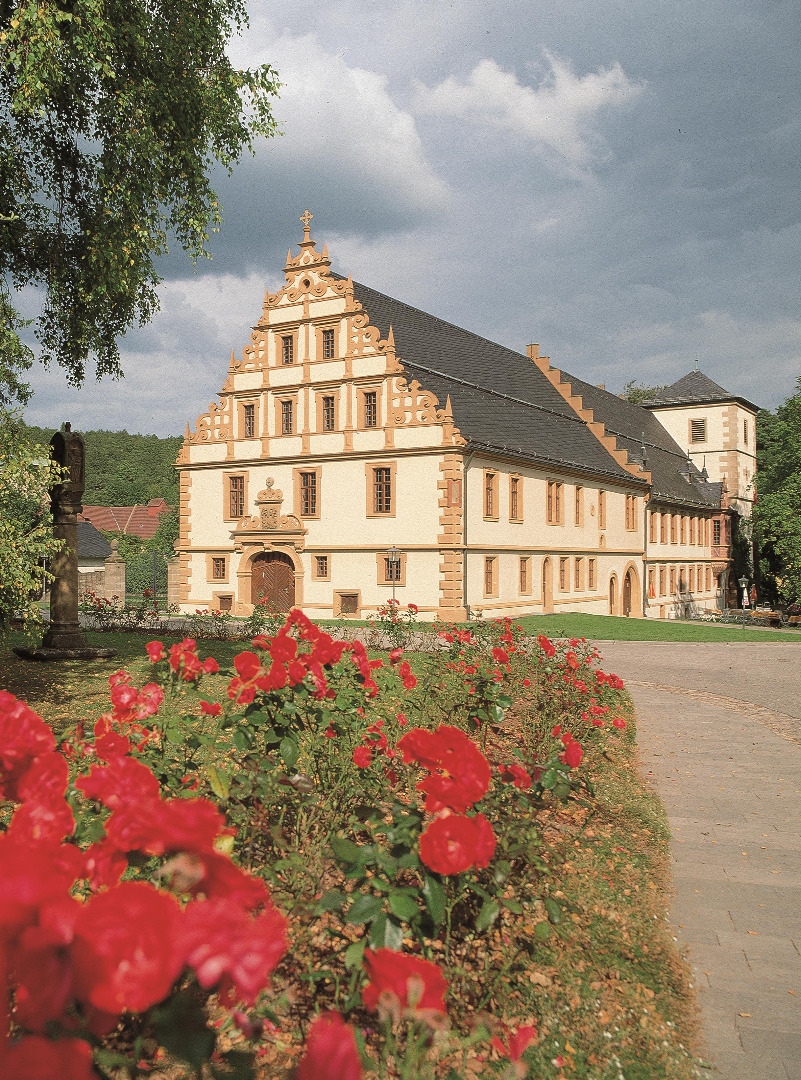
(417, 984)
(460, 774)
(330, 1051)
(453, 844)
(362, 756)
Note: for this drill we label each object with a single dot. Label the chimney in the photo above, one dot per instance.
(600, 386)
(532, 351)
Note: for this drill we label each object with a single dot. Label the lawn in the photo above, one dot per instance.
(612, 628)
(566, 928)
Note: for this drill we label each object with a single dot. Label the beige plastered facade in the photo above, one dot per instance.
(456, 557)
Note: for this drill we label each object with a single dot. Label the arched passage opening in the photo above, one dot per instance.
(632, 595)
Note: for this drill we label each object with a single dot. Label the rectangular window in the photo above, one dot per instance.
(348, 603)
(250, 421)
(490, 494)
(709, 579)
(329, 412)
(226, 603)
(328, 344)
(716, 534)
(579, 507)
(218, 569)
(691, 579)
(697, 431)
(684, 520)
(236, 495)
(525, 575)
(286, 417)
(591, 574)
(662, 580)
(490, 575)
(288, 349)
(745, 432)
(321, 567)
(601, 509)
(308, 494)
(651, 584)
(382, 491)
(371, 409)
(652, 527)
(673, 581)
(578, 575)
(631, 513)
(392, 569)
(663, 528)
(673, 523)
(554, 508)
(515, 498)
(564, 573)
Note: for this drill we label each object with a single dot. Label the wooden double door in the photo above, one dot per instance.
(273, 581)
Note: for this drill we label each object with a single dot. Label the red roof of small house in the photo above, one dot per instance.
(141, 521)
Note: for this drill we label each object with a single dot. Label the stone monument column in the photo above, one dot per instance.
(65, 639)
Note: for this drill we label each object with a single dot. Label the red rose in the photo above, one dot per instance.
(453, 844)
(362, 756)
(155, 650)
(208, 708)
(619, 722)
(515, 1043)
(546, 645)
(126, 954)
(460, 774)
(572, 755)
(283, 648)
(224, 945)
(247, 665)
(210, 666)
(330, 1051)
(499, 656)
(38, 1058)
(517, 775)
(417, 984)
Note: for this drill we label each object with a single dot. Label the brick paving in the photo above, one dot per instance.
(719, 727)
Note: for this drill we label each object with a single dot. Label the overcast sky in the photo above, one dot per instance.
(617, 181)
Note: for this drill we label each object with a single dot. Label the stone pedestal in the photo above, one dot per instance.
(65, 639)
(114, 579)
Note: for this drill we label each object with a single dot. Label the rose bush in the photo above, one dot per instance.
(122, 909)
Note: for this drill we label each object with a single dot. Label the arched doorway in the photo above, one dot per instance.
(547, 587)
(627, 594)
(272, 578)
(613, 595)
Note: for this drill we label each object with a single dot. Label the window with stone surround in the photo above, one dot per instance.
(525, 575)
(288, 349)
(329, 412)
(592, 574)
(287, 417)
(329, 344)
(381, 489)
(490, 575)
(321, 567)
(601, 509)
(662, 580)
(564, 574)
(490, 494)
(579, 507)
(554, 508)
(578, 574)
(249, 421)
(516, 498)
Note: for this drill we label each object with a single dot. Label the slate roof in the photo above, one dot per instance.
(632, 426)
(141, 521)
(694, 388)
(91, 543)
(501, 401)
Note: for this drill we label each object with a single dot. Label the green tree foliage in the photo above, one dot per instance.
(777, 514)
(123, 469)
(112, 113)
(26, 535)
(638, 392)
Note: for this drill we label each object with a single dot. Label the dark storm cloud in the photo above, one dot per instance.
(615, 181)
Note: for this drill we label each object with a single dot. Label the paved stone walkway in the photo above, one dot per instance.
(729, 772)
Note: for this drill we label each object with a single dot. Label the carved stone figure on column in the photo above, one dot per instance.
(64, 639)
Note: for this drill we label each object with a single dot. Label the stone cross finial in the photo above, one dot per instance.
(305, 219)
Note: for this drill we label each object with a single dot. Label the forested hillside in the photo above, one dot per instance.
(123, 469)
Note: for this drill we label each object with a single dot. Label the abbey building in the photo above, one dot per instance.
(362, 449)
